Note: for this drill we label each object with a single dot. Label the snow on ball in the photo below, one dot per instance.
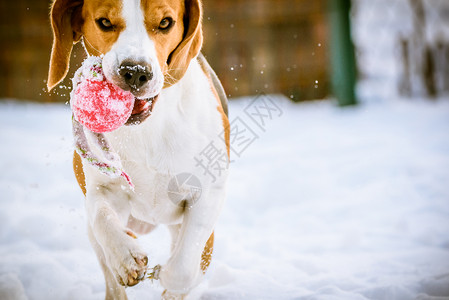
(101, 106)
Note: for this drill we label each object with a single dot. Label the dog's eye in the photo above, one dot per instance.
(105, 24)
(166, 23)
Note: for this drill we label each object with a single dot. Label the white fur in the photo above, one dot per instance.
(135, 44)
(184, 121)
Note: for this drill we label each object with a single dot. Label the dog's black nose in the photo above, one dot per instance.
(135, 75)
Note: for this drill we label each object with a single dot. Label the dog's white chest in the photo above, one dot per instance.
(151, 201)
(153, 164)
(166, 145)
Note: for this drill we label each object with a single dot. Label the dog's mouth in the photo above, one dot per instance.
(142, 110)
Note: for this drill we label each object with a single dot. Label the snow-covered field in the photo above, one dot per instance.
(327, 203)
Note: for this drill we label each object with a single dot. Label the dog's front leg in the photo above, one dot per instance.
(108, 212)
(183, 271)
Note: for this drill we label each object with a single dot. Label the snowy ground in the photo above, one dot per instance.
(328, 203)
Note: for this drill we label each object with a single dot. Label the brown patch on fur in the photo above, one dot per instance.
(65, 22)
(72, 19)
(79, 172)
(180, 44)
(206, 257)
(227, 129)
(131, 234)
(98, 41)
(224, 117)
(165, 42)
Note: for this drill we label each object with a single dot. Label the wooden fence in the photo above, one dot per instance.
(272, 46)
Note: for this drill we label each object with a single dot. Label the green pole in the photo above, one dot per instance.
(342, 52)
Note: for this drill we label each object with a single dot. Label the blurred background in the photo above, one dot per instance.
(301, 48)
(327, 203)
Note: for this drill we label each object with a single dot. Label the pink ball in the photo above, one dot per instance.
(101, 106)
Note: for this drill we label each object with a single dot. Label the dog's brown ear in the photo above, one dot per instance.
(66, 23)
(190, 45)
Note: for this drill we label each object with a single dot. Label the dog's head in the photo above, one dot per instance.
(147, 44)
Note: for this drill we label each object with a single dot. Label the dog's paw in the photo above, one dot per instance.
(127, 261)
(178, 278)
(166, 295)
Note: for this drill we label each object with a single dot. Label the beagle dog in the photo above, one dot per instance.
(151, 48)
